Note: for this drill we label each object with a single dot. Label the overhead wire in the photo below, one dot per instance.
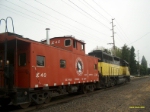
(139, 38)
(24, 14)
(112, 17)
(102, 8)
(89, 14)
(67, 17)
(40, 20)
(58, 19)
(85, 15)
(75, 9)
(121, 37)
(120, 40)
(123, 31)
(95, 10)
(100, 15)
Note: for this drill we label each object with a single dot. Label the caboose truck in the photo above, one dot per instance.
(32, 71)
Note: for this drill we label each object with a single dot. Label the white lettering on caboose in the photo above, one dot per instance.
(41, 74)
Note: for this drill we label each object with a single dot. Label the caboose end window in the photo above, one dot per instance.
(40, 60)
(62, 63)
(22, 59)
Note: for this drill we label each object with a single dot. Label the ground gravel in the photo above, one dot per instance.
(132, 97)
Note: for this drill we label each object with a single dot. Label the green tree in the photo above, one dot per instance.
(143, 68)
(132, 62)
(125, 53)
(118, 52)
(107, 51)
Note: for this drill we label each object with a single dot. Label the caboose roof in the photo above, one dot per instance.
(14, 36)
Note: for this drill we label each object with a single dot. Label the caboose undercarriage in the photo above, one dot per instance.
(24, 97)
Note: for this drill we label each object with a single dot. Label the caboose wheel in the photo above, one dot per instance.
(25, 105)
(92, 87)
(84, 90)
(47, 100)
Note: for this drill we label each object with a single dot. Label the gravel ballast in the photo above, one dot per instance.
(131, 97)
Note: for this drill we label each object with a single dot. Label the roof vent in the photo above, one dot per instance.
(47, 36)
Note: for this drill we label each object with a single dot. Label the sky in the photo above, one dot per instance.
(87, 20)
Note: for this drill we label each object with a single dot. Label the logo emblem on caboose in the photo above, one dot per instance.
(79, 66)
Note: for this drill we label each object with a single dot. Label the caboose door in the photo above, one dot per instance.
(23, 69)
(23, 73)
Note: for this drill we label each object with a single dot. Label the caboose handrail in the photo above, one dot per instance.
(12, 24)
(6, 28)
(5, 24)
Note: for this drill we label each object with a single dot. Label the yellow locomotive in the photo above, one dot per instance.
(112, 70)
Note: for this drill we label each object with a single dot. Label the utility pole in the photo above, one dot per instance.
(139, 64)
(113, 35)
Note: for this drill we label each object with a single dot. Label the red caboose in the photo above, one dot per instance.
(33, 71)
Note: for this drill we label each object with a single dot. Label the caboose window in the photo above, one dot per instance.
(67, 42)
(40, 60)
(74, 43)
(62, 63)
(22, 59)
(95, 66)
(82, 46)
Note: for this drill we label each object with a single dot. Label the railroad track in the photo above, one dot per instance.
(65, 98)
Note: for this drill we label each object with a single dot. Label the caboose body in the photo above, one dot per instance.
(32, 71)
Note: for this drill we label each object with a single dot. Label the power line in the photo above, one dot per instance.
(122, 30)
(39, 15)
(110, 16)
(95, 10)
(102, 9)
(58, 19)
(139, 38)
(119, 37)
(40, 20)
(75, 9)
(88, 14)
(124, 39)
(68, 17)
(25, 14)
(99, 14)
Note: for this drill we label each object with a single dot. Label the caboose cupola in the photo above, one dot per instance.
(68, 43)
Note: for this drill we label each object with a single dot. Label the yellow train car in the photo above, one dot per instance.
(112, 70)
